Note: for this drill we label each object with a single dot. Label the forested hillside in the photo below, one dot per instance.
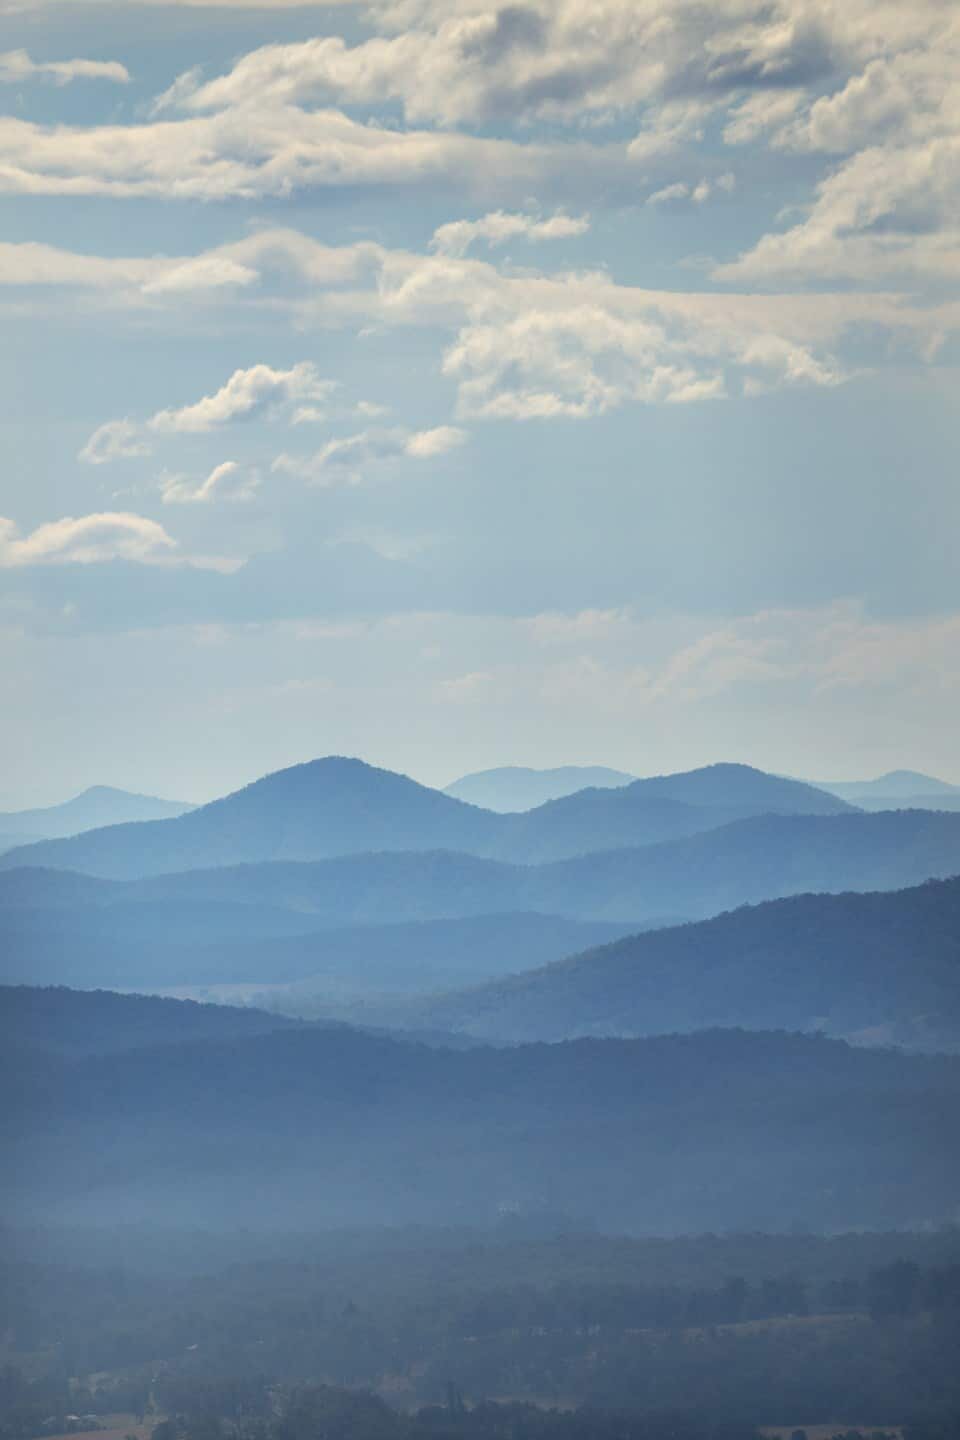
(882, 967)
(309, 1127)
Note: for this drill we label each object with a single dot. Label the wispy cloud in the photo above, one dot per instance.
(115, 440)
(226, 481)
(347, 459)
(456, 237)
(17, 65)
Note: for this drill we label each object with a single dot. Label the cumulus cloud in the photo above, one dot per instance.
(345, 460)
(456, 237)
(888, 211)
(587, 359)
(464, 63)
(538, 345)
(248, 393)
(521, 346)
(226, 481)
(871, 83)
(16, 65)
(891, 206)
(116, 440)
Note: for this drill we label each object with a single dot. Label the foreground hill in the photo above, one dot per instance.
(883, 967)
(517, 787)
(724, 1130)
(100, 805)
(339, 807)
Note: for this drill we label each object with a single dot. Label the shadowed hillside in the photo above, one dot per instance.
(881, 966)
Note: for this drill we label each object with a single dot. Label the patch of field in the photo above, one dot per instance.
(114, 1427)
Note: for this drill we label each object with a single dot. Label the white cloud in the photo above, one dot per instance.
(16, 65)
(426, 444)
(218, 274)
(345, 460)
(871, 80)
(246, 394)
(208, 272)
(698, 192)
(891, 207)
(116, 440)
(518, 345)
(456, 237)
(463, 63)
(96, 539)
(226, 481)
(679, 190)
(254, 152)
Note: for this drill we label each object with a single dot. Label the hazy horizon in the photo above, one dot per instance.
(51, 799)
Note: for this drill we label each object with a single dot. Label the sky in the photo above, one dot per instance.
(455, 384)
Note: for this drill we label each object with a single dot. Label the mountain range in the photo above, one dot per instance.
(63, 927)
(339, 806)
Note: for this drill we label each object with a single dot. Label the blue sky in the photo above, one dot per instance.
(456, 384)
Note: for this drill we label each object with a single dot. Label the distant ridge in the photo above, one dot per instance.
(337, 806)
(98, 806)
(518, 787)
(898, 790)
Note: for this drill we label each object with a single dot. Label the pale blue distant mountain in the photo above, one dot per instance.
(897, 790)
(336, 806)
(98, 806)
(518, 787)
